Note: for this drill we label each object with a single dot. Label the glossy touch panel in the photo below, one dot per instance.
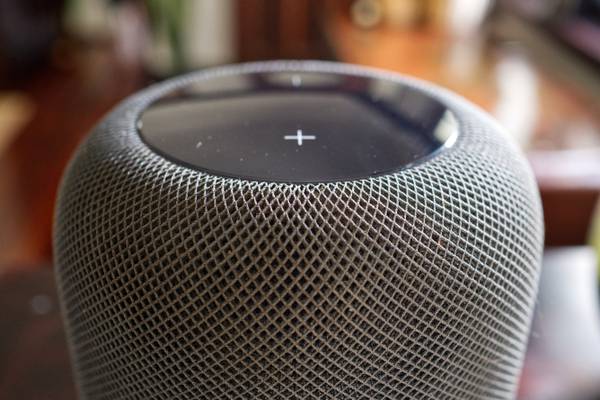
(297, 127)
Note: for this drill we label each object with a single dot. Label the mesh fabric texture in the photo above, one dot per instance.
(176, 284)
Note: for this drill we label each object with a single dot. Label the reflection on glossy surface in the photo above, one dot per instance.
(297, 126)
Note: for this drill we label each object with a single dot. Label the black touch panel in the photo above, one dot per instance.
(297, 127)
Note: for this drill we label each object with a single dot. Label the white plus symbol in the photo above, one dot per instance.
(299, 137)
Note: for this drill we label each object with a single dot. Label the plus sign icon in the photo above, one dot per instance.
(299, 137)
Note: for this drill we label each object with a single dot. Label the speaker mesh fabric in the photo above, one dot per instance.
(176, 284)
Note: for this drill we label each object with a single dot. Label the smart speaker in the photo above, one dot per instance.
(297, 230)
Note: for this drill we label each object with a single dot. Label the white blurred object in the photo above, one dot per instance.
(89, 19)
(563, 359)
(464, 58)
(209, 33)
(464, 19)
(566, 169)
(130, 29)
(517, 107)
(199, 34)
(465, 16)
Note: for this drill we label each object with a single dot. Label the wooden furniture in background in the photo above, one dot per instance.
(68, 98)
(288, 29)
(567, 120)
(82, 83)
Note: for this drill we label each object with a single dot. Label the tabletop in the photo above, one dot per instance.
(563, 358)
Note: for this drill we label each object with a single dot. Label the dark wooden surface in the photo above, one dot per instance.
(34, 362)
(567, 214)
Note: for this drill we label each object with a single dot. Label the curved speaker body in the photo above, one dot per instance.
(297, 230)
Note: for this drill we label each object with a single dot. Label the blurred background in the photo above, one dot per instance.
(533, 64)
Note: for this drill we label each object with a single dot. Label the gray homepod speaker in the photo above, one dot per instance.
(297, 230)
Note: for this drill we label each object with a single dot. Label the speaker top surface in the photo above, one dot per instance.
(297, 126)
